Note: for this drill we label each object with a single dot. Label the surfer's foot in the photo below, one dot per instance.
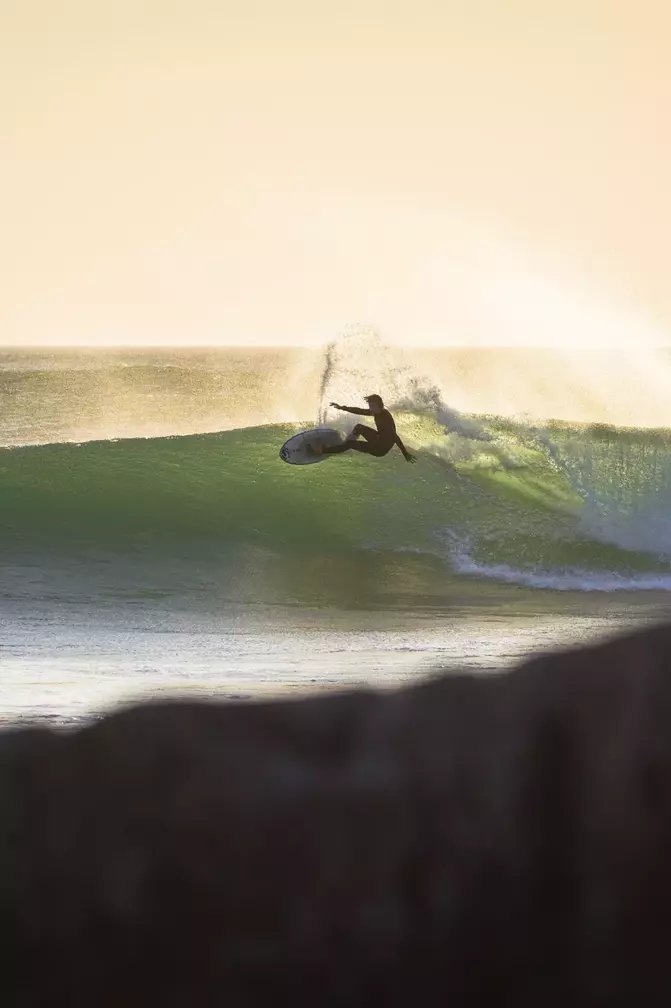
(317, 448)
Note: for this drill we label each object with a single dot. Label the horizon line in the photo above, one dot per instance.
(21, 347)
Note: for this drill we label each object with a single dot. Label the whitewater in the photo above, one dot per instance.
(153, 541)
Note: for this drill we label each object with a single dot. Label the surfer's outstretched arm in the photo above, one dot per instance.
(353, 409)
(406, 454)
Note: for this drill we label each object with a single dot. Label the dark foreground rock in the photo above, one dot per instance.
(473, 841)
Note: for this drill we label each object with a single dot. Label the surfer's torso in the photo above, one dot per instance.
(386, 428)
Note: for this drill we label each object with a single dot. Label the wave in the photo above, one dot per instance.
(493, 500)
(569, 507)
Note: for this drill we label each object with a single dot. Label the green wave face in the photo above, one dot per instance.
(566, 508)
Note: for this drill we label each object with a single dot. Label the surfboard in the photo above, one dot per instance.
(295, 450)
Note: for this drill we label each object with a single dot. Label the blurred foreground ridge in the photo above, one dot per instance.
(500, 840)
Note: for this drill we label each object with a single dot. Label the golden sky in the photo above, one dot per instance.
(194, 172)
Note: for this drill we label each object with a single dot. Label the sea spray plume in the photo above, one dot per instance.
(425, 398)
(359, 362)
(347, 362)
(473, 841)
(324, 382)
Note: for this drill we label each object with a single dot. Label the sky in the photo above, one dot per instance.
(265, 172)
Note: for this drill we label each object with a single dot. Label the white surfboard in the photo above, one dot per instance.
(295, 451)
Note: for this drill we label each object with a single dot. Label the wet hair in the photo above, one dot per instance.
(375, 399)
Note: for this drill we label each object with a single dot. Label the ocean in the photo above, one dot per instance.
(154, 544)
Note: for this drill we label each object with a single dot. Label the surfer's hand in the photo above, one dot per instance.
(409, 458)
(335, 405)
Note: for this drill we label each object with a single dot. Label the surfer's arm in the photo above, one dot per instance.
(406, 454)
(353, 409)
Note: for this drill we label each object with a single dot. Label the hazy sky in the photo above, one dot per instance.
(194, 172)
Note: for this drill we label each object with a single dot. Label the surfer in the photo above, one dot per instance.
(376, 442)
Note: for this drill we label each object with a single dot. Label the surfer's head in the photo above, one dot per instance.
(375, 403)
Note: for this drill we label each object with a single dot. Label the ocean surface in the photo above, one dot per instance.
(154, 544)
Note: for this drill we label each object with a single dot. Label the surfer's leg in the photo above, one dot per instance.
(369, 433)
